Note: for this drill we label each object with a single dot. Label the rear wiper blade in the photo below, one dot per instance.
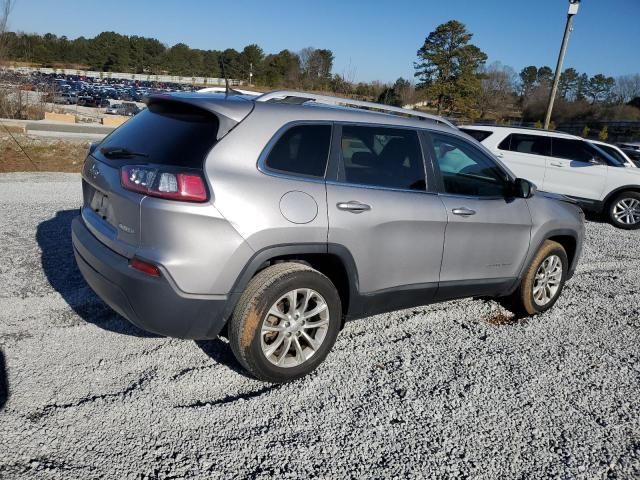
(120, 152)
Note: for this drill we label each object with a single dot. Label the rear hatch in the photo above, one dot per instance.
(171, 133)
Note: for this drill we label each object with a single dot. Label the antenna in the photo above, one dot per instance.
(224, 74)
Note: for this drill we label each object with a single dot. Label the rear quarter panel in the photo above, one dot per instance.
(250, 199)
(201, 251)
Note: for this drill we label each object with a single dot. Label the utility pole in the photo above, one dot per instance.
(573, 10)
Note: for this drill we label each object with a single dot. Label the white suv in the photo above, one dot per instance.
(569, 165)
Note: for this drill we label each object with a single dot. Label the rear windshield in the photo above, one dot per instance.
(479, 135)
(168, 133)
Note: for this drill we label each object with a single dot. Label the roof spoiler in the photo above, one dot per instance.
(230, 109)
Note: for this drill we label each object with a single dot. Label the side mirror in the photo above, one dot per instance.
(524, 188)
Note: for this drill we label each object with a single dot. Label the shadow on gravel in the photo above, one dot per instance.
(231, 398)
(4, 382)
(595, 217)
(59, 265)
(220, 352)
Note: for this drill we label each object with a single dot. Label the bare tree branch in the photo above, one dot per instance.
(5, 10)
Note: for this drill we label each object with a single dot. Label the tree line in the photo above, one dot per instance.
(113, 52)
(451, 74)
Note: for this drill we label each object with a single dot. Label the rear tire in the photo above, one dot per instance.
(285, 323)
(624, 211)
(542, 282)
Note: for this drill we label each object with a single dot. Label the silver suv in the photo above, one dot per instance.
(273, 219)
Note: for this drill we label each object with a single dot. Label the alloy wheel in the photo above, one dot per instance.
(547, 280)
(294, 328)
(627, 211)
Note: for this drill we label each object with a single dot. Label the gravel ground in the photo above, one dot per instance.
(446, 391)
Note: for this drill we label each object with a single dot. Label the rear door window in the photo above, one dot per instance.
(526, 143)
(167, 133)
(302, 150)
(382, 157)
(570, 149)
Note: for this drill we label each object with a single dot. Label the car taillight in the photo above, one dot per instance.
(157, 182)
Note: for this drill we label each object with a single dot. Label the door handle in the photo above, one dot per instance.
(499, 155)
(463, 211)
(353, 207)
(557, 164)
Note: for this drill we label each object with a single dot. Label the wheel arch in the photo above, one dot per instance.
(614, 193)
(570, 245)
(333, 260)
(570, 241)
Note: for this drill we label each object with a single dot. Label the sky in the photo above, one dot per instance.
(371, 40)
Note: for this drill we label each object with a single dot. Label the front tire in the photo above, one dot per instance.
(542, 282)
(624, 211)
(285, 323)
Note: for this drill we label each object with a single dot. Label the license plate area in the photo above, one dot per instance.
(99, 203)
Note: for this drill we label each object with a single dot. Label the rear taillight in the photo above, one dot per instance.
(187, 186)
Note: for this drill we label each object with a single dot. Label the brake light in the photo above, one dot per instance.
(187, 186)
(144, 267)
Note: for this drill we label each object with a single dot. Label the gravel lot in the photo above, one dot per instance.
(452, 390)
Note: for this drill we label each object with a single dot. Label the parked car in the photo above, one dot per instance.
(128, 109)
(112, 109)
(87, 101)
(615, 152)
(125, 108)
(569, 165)
(64, 98)
(224, 90)
(273, 219)
(630, 146)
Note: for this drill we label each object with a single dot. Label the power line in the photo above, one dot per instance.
(19, 146)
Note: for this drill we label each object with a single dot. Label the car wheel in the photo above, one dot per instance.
(285, 323)
(624, 211)
(542, 282)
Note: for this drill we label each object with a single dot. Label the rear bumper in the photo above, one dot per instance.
(150, 303)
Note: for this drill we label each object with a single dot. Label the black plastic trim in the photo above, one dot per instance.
(150, 303)
(588, 203)
(493, 287)
(362, 305)
(560, 232)
(391, 299)
(613, 193)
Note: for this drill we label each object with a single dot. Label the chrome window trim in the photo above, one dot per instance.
(374, 187)
(472, 197)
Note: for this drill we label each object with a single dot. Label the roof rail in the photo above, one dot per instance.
(299, 98)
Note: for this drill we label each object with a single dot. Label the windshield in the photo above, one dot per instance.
(614, 153)
(610, 159)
